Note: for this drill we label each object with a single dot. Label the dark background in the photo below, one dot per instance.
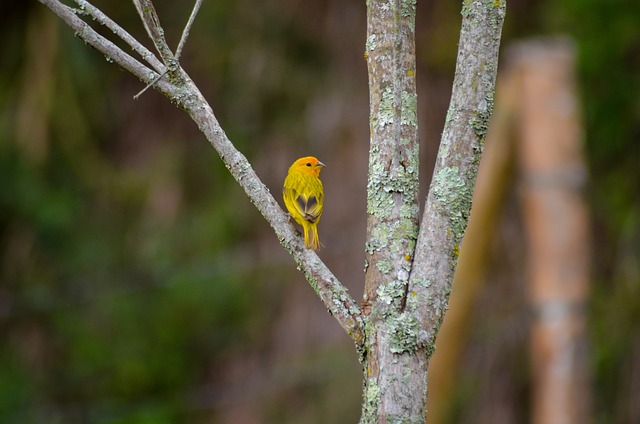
(139, 285)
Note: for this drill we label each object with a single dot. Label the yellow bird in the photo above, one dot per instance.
(304, 197)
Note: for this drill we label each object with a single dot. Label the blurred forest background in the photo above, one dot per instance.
(138, 284)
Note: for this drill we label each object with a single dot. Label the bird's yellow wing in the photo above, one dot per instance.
(304, 196)
(309, 206)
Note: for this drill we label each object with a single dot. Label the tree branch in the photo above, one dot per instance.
(183, 40)
(185, 94)
(102, 19)
(151, 84)
(187, 28)
(392, 187)
(97, 41)
(332, 293)
(396, 368)
(147, 12)
(449, 201)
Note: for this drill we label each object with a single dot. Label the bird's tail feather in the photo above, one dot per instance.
(311, 239)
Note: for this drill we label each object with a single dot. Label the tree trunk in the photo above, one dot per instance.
(409, 269)
(393, 389)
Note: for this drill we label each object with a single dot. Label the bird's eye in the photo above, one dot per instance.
(308, 163)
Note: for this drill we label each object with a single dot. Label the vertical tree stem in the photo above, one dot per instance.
(391, 392)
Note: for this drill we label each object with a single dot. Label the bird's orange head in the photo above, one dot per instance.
(308, 165)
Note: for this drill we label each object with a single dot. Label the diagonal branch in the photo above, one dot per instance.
(333, 294)
(187, 28)
(101, 18)
(97, 41)
(151, 22)
(186, 95)
(448, 204)
(151, 84)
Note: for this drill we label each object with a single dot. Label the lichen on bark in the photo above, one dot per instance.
(408, 280)
(448, 204)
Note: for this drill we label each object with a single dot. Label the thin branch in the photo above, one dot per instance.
(97, 41)
(151, 84)
(183, 40)
(333, 294)
(151, 22)
(101, 18)
(448, 204)
(187, 28)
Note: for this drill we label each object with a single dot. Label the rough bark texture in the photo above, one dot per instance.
(392, 207)
(493, 184)
(448, 204)
(406, 291)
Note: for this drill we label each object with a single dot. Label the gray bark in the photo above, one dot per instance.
(407, 290)
(392, 223)
(448, 204)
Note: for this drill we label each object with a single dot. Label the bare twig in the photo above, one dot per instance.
(148, 86)
(187, 28)
(151, 22)
(183, 40)
(97, 41)
(101, 18)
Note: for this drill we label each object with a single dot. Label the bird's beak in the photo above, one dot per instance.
(320, 164)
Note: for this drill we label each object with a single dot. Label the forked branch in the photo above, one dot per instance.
(101, 18)
(187, 29)
(147, 12)
(183, 40)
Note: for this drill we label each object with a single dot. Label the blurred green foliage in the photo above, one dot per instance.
(120, 285)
